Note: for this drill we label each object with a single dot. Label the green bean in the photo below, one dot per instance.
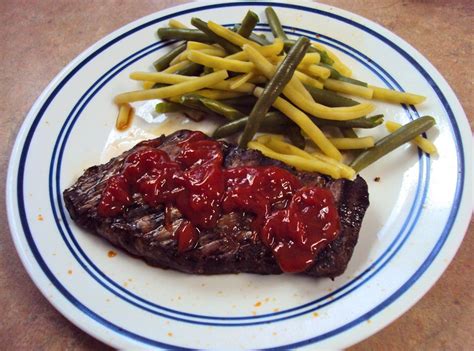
(202, 26)
(336, 75)
(165, 107)
(349, 133)
(207, 70)
(352, 81)
(245, 105)
(295, 136)
(363, 122)
(274, 23)
(192, 69)
(159, 85)
(246, 100)
(248, 24)
(274, 119)
(164, 61)
(392, 141)
(245, 109)
(190, 112)
(199, 102)
(183, 34)
(328, 98)
(194, 104)
(259, 39)
(274, 88)
(230, 128)
(324, 55)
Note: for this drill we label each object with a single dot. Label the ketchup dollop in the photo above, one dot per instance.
(293, 220)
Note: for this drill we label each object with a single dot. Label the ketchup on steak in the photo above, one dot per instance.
(294, 221)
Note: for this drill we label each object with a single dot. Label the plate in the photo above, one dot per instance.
(419, 211)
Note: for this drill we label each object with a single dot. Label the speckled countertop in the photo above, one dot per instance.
(38, 38)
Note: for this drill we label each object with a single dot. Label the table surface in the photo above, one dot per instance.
(38, 38)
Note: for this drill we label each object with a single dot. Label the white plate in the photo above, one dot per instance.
(418, 215)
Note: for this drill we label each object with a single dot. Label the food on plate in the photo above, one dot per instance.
(125, 117)
(423, 143)
(281, 86)
(193, 204)
(400, 136)
(286, 201)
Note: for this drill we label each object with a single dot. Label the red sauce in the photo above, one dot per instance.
(297, 233)
(115, 197)
(257, 190)
(187, 236)
(295, 222)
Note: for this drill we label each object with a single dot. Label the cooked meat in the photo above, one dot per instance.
(231, 246)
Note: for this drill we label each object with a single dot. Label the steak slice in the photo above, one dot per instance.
(232, 246)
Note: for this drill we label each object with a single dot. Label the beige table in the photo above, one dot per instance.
(38, 38)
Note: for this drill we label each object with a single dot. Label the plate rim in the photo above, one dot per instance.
(10, 198)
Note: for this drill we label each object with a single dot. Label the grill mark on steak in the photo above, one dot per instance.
(231, 246)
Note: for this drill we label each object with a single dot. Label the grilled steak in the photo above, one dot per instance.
(231, 246)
